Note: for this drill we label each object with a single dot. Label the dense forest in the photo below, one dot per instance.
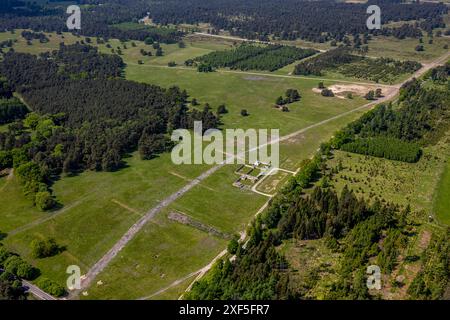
(85, 116)
(99, 19)
(317, 21)
(359, 231)
(389, 148)
(288, 19)
(252, 57)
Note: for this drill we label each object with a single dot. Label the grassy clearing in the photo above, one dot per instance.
(273, 182)
(99, 208)
(404, 49)
(442, 201)
(37, 47)
(4, 128)
(306, 256)
(162, 253)
(303, 146)
(254, 93)
(226, 207)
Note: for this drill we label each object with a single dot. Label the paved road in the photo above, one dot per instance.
(131, 233)
(37, 292)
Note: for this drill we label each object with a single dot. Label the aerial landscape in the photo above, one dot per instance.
(224, 150)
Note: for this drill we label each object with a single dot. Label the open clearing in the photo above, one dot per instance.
(442, 201)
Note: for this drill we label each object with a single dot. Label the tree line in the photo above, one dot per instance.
(253, 57)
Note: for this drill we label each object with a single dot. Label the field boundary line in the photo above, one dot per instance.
(261, 74)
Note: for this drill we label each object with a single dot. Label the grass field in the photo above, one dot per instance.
(163, 252)
(442, 201)
(404, 49)
(254, 93)
(100, 207)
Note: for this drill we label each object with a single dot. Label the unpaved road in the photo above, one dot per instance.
(241, 39)
(131, 233)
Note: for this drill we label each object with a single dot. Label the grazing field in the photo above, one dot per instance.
(442, 201)
(226, 207)
(271, 184)
(311, 257)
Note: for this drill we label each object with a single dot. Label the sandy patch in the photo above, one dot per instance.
(341, 90)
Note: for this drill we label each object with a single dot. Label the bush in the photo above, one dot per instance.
(44, 201)
(44, 248)
(51, 287)
(327, 93)
(222, 109)
(29, 171)
(233, 245)
(16, 266)
(6, 160)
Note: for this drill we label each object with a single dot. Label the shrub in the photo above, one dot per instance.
(51, 287)
(16, 266)
(222, 109)
(44, 201)
(327, 93)
(233, 245)
(44, 248)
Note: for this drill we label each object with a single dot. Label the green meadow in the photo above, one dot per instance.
(442, 201)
